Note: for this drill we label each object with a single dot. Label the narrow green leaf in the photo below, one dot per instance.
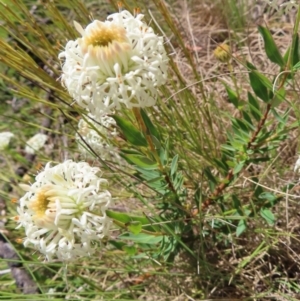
(119, 216)
(279, 97)
(142, 238)
(232, 96)
(140, 161)
(150, 127)
(257, 84)
(254, 107)
(241, 227)
(270, 47)
(133, 135)
(239, 125)
(149, 174)
(212, 180)
(156, 142)
(296, 55)
(268, 216)
(248, 121)
(282, 118)
(125, 219)
(174, 165)
(296, 67)
(220, 164)
(228, 147)
(117, 244)
(238, 167)
(236, 204)
(164, 153)
(130, 151)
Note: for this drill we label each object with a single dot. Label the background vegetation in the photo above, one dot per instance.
(226, 131)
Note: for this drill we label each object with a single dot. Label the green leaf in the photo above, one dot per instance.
(142, 238)
(127, 219)
(174, 165)
(295, 56)
(238, 167)
(212, 181)
(209, 175)
(232, 96)
(267, 196)
(156, 142)
(134, 227)
(270, 47)
(228, 147)
(248, 121)
(268, 216)
(279, 97)
(164, 153)
(220, 163)
(117, 244)
(133, 135)
(241, 227)
(258, 84)
(296, 67)
(149, 174)
(150, 127)
(240, 125)
(130, 250)
(282, 118)
(140, 161)
(237, 204)
(254, 107)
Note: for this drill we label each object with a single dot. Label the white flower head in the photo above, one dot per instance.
(35, 143)
(64, 211)
(5, 139)
(118, 61)
(97, 135)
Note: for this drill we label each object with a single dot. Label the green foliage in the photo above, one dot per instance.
(131, 134)
(232, 96)
(259, 83)
(271, 49)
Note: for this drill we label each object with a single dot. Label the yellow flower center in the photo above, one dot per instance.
(103, 35)
(44, 208)
(106, 44)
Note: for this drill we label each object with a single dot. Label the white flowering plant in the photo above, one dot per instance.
(64, 211)
(162, 153)
(118, 61)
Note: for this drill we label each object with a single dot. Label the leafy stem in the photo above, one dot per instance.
(147, 134)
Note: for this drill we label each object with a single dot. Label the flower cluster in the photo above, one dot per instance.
(64, 211)
(118, 61)
(35, 143)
